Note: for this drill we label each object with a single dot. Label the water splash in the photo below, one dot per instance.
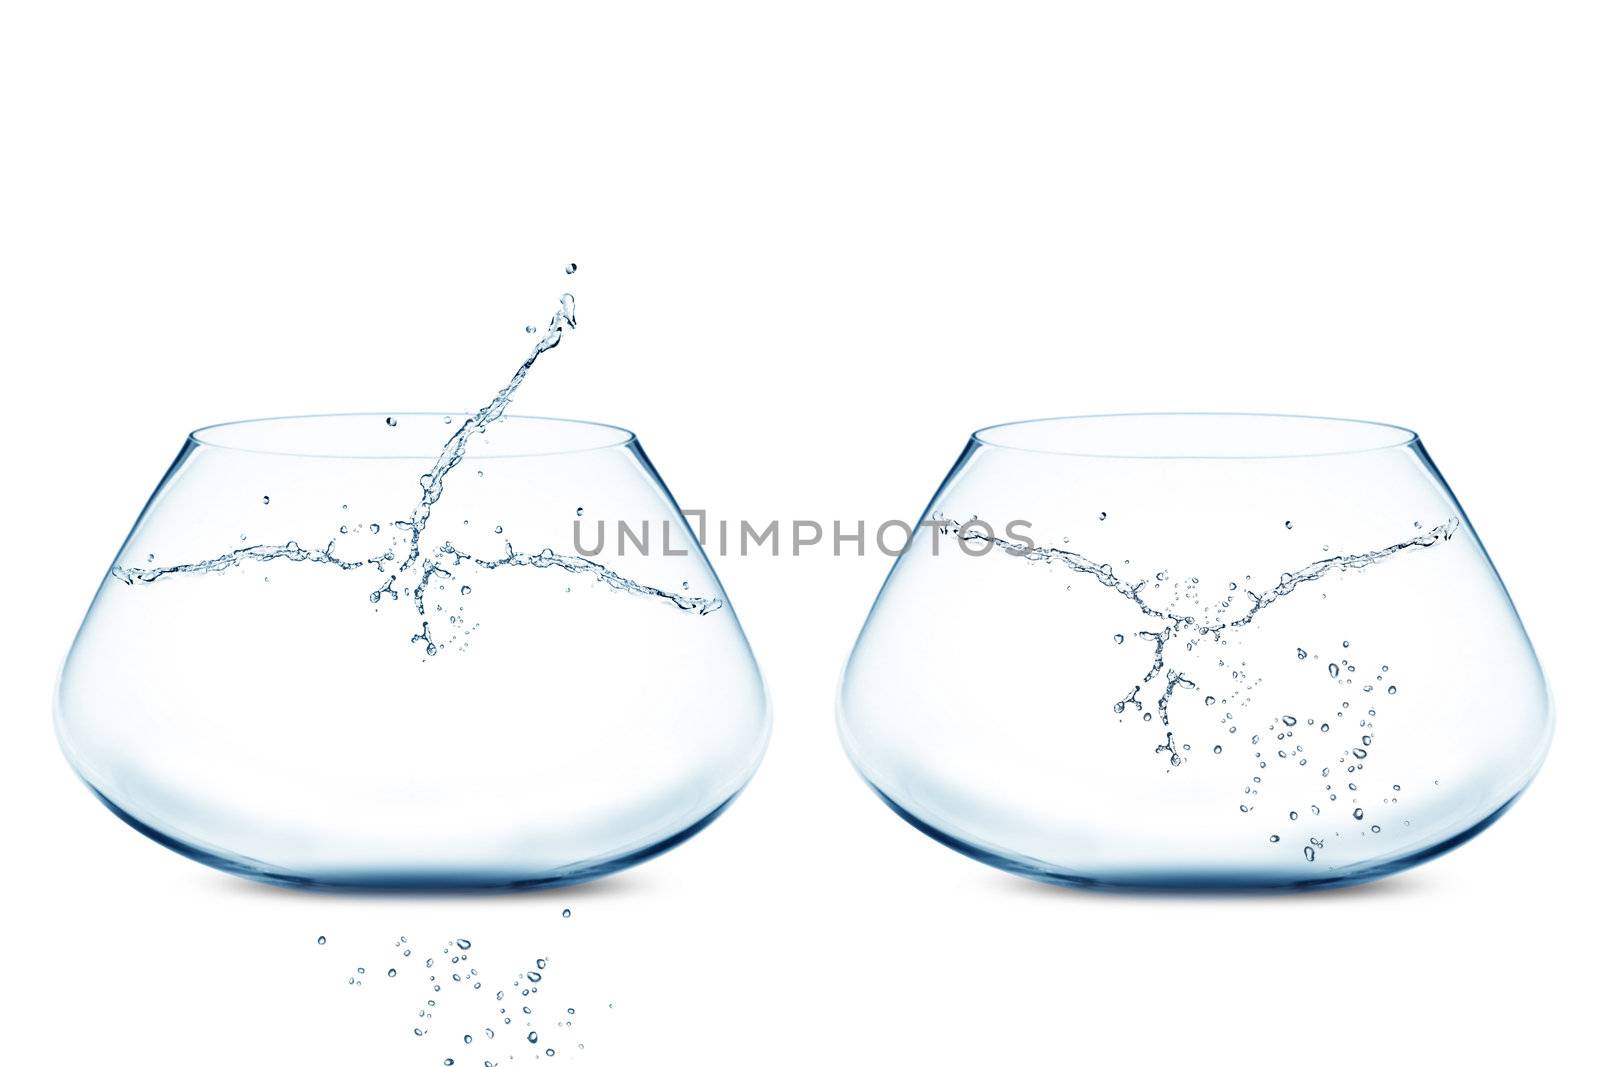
(445, 1004)
(432, 483)
(1213, 624)
(431, 565)
(1216, 621)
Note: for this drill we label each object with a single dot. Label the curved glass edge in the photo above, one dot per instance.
(1013, 864)
(1431, 471)
(1040, 871)
(430, 881)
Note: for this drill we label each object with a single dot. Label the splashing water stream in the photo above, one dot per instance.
(1218, 621)
(432, 564)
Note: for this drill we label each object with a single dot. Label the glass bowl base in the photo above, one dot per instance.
(1193, 881)
(419, 879)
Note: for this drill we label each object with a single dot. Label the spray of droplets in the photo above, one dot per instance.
(456, 1015)
(1334, 744)
(406, 558)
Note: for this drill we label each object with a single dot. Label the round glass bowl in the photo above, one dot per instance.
(1195, 651)
(272, 682)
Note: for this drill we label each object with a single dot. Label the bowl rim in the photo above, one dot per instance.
(207, 436)
(1398, 437)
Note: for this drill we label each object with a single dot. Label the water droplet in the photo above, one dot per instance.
(1359, 814)
(1217, 749)
(392, 972)
(1333, 670)
(1287, 525)
(566, 913)
(572, 268)
(1102, 516)
(266, 500)
(392, 421)
(322, 940)
(1311, 854)
(1118, 638)
(374, 527)
(466, 1039)
(533, 1037)
(1393, 690)
(1289, 720)
(466, 590)
(580, 512)
(1300, 652)
(463, 943)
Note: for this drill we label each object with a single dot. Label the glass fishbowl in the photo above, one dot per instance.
(315, 662)
(1195, 651)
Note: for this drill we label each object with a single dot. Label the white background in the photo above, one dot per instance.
(818, 246)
